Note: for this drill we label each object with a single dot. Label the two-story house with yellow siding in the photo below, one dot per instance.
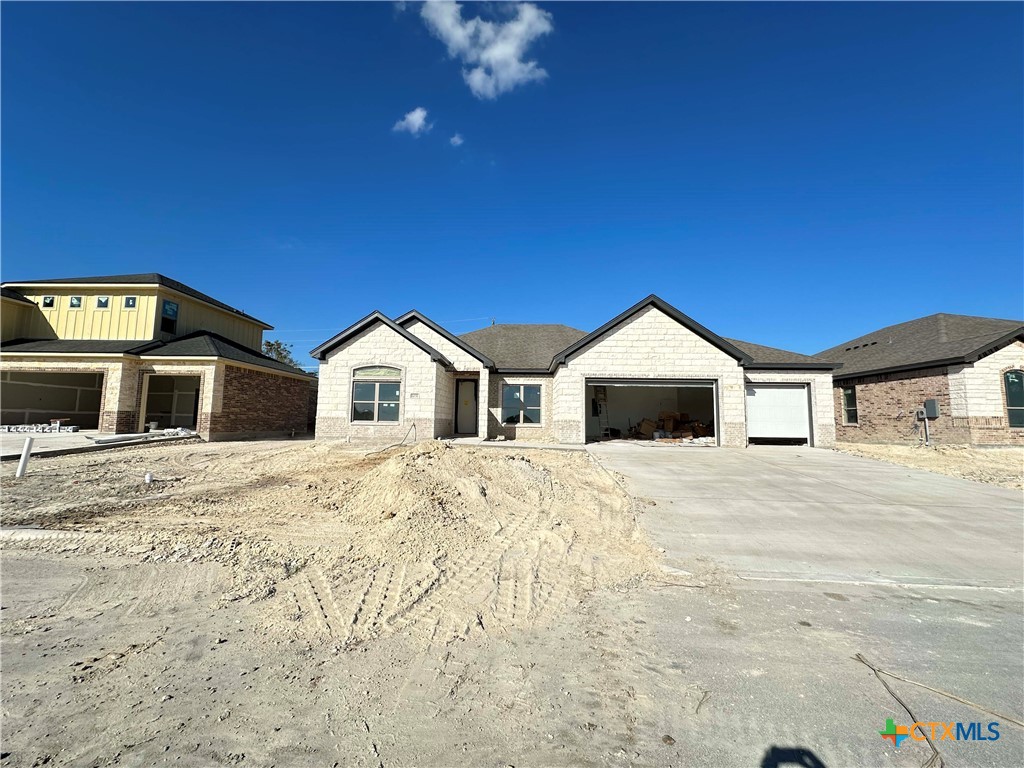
(119, 353)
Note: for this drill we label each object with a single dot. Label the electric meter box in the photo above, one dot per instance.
(931, 409)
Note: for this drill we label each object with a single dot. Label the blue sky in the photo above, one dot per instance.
(755, 165)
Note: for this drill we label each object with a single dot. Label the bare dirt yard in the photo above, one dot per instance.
(997, 466)
(287, 603)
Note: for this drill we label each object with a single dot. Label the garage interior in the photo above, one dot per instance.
(36, 398)
(172, 401)
(640, 410)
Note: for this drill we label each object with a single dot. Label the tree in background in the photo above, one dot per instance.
(281, 352)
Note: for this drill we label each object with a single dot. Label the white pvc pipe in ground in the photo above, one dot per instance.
(23, 464)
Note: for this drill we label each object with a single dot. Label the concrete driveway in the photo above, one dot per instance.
(800, 559)
(794, 513)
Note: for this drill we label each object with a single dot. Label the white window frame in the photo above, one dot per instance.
(125, 302)
(81, 302)
(522, 405)
(99, 298)
(53, 302)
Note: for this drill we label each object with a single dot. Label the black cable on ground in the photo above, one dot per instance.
(935, 761)
(395, 445)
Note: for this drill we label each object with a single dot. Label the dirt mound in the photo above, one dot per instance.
(416, 503)
(456, 540)
(430, 539)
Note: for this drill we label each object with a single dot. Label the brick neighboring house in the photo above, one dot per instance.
(973, 367)
(386, 379)
(118, 352)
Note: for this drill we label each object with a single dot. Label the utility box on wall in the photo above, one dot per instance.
(931, 409)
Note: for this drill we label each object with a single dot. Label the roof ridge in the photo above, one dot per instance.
(376, 316)
(777, 349)
(890, 327)
(415, 314)
(665, 308)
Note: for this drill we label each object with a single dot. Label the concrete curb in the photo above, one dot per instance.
(92, 448)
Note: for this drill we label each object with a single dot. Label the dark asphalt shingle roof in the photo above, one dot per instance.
(371, 320)
(206, 344)
(7, 293)
(770, 356)
(935, 339)
(198, 344)
(72, 346)
(146, 278)
(413, 315)
(533, 347)
(522, 347)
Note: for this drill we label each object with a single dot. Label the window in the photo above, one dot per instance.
(849, 405)
(131, 302)
(1013, 381)
(49, 302)
(169, 317)
(102, 302)
(376, 393)
(76, 302)
(520, 404)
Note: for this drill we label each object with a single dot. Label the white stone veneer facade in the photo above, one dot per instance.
(378, 345)
(650, 345)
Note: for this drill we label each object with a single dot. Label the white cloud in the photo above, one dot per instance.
(414, 122)
(492, 50)
(456, 140)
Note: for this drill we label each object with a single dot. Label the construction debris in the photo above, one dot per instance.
(142, 437)
(51, 428)
(675, 427)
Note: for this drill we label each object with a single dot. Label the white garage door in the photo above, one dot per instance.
(778, 411)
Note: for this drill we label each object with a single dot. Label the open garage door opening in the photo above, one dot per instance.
(42, 398)
(651, 410)
(778, 414)
(171, 401)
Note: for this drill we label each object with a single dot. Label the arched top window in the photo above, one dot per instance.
(377, 372)
(1013, 383)
(376, 394)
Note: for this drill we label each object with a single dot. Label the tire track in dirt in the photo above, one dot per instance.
(468, 575)
(326, 606)
(425, 540)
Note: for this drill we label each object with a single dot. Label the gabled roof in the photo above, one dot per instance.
(516, 347)
(197, 344)
(147, 278)
(412, 315)
(320, 353)
(7, 293)
(541, 348)
(935, 340)
(769, 357)
(653, 301)
(206, 344)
